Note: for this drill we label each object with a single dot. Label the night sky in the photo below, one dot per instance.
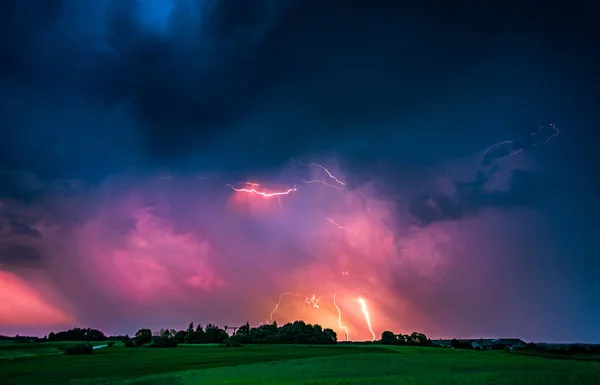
(127, 124)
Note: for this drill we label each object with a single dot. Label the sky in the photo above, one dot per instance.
(167, 161)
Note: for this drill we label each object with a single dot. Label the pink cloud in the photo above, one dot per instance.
(165, 252)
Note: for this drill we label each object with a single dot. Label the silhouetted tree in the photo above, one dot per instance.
(388, 338)
(77, 334)
(214, 334)
(180, 336)
(402, 339)
(243, 332)
(143, 336)
(328, 337)
(417, 338)
(128, 342)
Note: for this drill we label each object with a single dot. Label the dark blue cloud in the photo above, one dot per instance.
(526, 189)
(310, 76)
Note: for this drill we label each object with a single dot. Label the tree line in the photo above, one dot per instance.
(297, 332)
(415, 339)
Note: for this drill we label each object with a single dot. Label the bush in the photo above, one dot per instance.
(78, 349)
(162, 342)
(111, 344)
(128, 342)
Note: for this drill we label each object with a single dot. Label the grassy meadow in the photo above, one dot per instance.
(286, 364)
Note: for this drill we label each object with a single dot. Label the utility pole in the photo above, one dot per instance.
(232, 327)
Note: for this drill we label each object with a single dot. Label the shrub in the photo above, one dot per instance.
(111, 343)
(128, 342)
(78, 349)
(162, 342)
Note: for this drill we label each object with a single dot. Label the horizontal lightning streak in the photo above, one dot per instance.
(262, 193)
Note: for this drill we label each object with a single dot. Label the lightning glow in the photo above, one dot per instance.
(263, 193)
(340, 325)
(365, 311)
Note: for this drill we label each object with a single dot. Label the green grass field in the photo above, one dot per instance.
(285, 364)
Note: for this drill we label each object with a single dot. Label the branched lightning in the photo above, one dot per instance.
(365, 310)
(323, 182)
(308, 300)
(342, 327)
(496, 145)
(329, 174)
(312, 300)
(262, 193)
(554, 134)
(516, 146)
(337, 225)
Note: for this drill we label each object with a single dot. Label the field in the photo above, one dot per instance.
(284, 364)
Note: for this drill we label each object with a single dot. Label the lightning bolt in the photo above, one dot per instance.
(497, 145)
(312, 300)
(329, 174)
(342, 327)
(337, 225)
(323, 182)
(262, 193)
(365, 310)
(554, 134)
(366, 201)
(518, 145)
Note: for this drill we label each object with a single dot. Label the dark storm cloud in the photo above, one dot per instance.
(526, 189)
(22, 24)
(316, 73)
(17, 240)
(19, 256)
(18, 228)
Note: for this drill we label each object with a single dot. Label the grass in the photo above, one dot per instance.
(11, 350)
(288, 364)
